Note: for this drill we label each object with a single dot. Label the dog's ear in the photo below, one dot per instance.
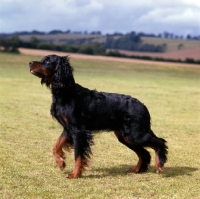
(63, 75)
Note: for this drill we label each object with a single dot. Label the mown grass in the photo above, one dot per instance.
(27, 133)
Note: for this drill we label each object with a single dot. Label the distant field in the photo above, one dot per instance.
(193, 53)
(172, 44)
(189, 49)
(77, 56)
(27, 131)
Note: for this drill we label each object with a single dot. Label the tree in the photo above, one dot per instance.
(188, 37)
(180, 46)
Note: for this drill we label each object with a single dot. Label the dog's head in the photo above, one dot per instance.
(54, 71)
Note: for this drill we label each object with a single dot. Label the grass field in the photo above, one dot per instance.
(27, 132)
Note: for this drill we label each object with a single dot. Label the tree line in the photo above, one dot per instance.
(11, 44)
(130, 41)
(133, 42)
(165, 34)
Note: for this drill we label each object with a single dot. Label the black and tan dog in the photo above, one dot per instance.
(81, 111)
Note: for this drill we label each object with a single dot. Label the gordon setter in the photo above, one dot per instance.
(82, 111)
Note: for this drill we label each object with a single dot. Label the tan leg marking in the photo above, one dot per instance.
(59, 155)
(78, 169)
(135, 169)
(159, 168)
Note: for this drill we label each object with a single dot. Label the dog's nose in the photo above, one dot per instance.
(30, 63)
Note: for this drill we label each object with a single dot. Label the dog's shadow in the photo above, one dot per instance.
(121, 170)
(178, 171)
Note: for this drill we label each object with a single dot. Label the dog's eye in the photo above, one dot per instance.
(47, 61)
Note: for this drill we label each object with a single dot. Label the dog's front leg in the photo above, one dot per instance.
(58, 153)
(78, 168)
(82, 140)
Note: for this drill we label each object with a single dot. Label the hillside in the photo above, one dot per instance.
(64, 38)
(175, 48)
(187, 53)
(75, 56)
(130, 44)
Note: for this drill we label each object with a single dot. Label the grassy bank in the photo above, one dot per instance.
(27, 133)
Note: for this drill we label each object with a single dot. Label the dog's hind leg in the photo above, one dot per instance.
(143, 154)
(159, 146)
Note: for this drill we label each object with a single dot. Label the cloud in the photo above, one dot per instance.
(151, 16)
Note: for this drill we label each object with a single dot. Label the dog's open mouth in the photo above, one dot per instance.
(36, 73)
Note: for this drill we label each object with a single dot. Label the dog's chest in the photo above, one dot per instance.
(61, 113)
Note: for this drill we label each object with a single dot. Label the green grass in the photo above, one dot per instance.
(27, 133)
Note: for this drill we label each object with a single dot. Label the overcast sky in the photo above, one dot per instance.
(181, 17)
